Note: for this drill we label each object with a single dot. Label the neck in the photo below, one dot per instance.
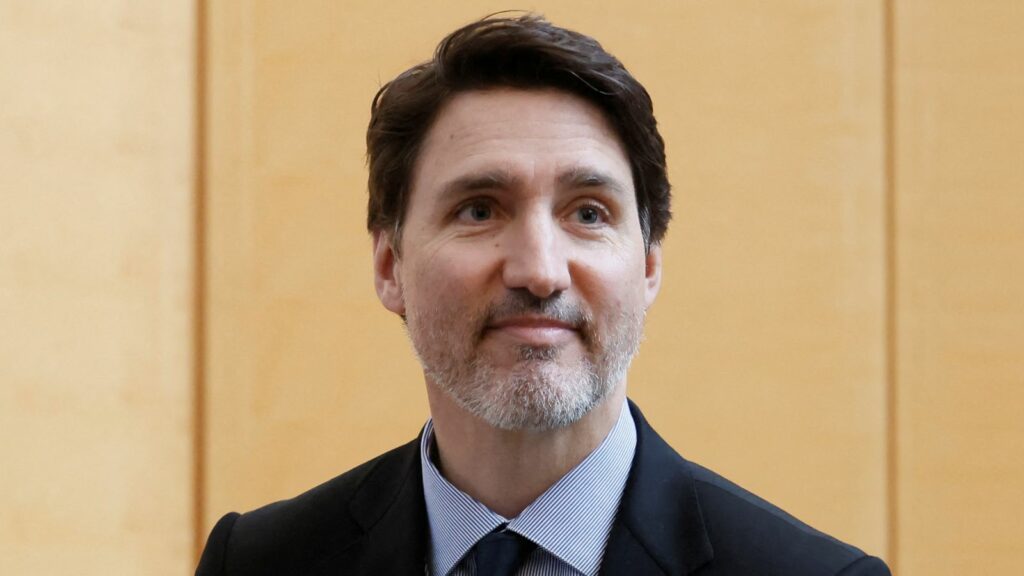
(506, 470)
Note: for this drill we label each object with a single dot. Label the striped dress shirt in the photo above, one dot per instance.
(570, 522)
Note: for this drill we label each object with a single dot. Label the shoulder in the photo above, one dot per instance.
(752, 536)
(689, 518)
(298, 533)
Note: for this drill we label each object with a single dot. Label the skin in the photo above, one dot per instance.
(517, 191)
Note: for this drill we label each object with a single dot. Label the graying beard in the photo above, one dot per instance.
(545, 353)
(525, 401)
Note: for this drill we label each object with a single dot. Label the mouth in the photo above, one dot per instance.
(533, 330)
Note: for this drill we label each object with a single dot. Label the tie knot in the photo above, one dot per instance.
(501, 553)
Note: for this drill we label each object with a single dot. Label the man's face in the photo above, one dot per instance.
(522, 273)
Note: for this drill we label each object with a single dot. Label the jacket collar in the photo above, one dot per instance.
(660, 529)
(388, 506)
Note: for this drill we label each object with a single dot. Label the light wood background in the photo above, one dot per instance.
(96, 292)
(189, 325)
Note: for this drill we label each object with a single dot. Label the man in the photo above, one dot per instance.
(518, 198)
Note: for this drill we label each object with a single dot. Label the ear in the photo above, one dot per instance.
(653, 275)
(387, 278)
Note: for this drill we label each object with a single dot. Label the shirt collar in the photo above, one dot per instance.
(571, 520)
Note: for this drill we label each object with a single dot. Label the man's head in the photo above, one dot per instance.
(525, 52)
(526, 262)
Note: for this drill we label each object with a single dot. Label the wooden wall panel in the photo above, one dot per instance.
(96, 144)
(765, 356)
(960, 236)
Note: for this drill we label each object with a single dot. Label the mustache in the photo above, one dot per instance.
(522, 302)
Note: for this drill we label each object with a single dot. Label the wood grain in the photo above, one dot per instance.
(96, 208)
(960, 209)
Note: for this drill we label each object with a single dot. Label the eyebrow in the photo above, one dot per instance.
(489, 180)
(574, 178)
(587, 177)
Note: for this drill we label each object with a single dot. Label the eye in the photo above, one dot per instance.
(590, 215)
(476, 211)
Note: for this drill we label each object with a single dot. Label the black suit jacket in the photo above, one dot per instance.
(676, 518)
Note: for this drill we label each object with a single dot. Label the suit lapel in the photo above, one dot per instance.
(389, 506)
(627, 555)
(659, 528)
(397, 542)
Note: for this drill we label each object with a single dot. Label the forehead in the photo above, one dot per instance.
(490, 109)
(528, 134)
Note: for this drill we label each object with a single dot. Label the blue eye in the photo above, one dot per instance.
(589, 215)
(475, 212)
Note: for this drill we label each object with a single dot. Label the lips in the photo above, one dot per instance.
(533, 330)
(531, 322)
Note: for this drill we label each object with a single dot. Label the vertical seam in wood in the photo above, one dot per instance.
(891, 275)
(199, 287)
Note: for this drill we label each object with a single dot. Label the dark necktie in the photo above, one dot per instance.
(500, 553)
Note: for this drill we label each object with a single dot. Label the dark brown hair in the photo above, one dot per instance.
(522, 52)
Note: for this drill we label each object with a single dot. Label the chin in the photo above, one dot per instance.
(544, 396)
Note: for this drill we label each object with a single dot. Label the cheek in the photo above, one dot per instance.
(614, 282)
(445, 282)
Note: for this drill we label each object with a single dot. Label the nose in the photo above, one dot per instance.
(536, 257)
